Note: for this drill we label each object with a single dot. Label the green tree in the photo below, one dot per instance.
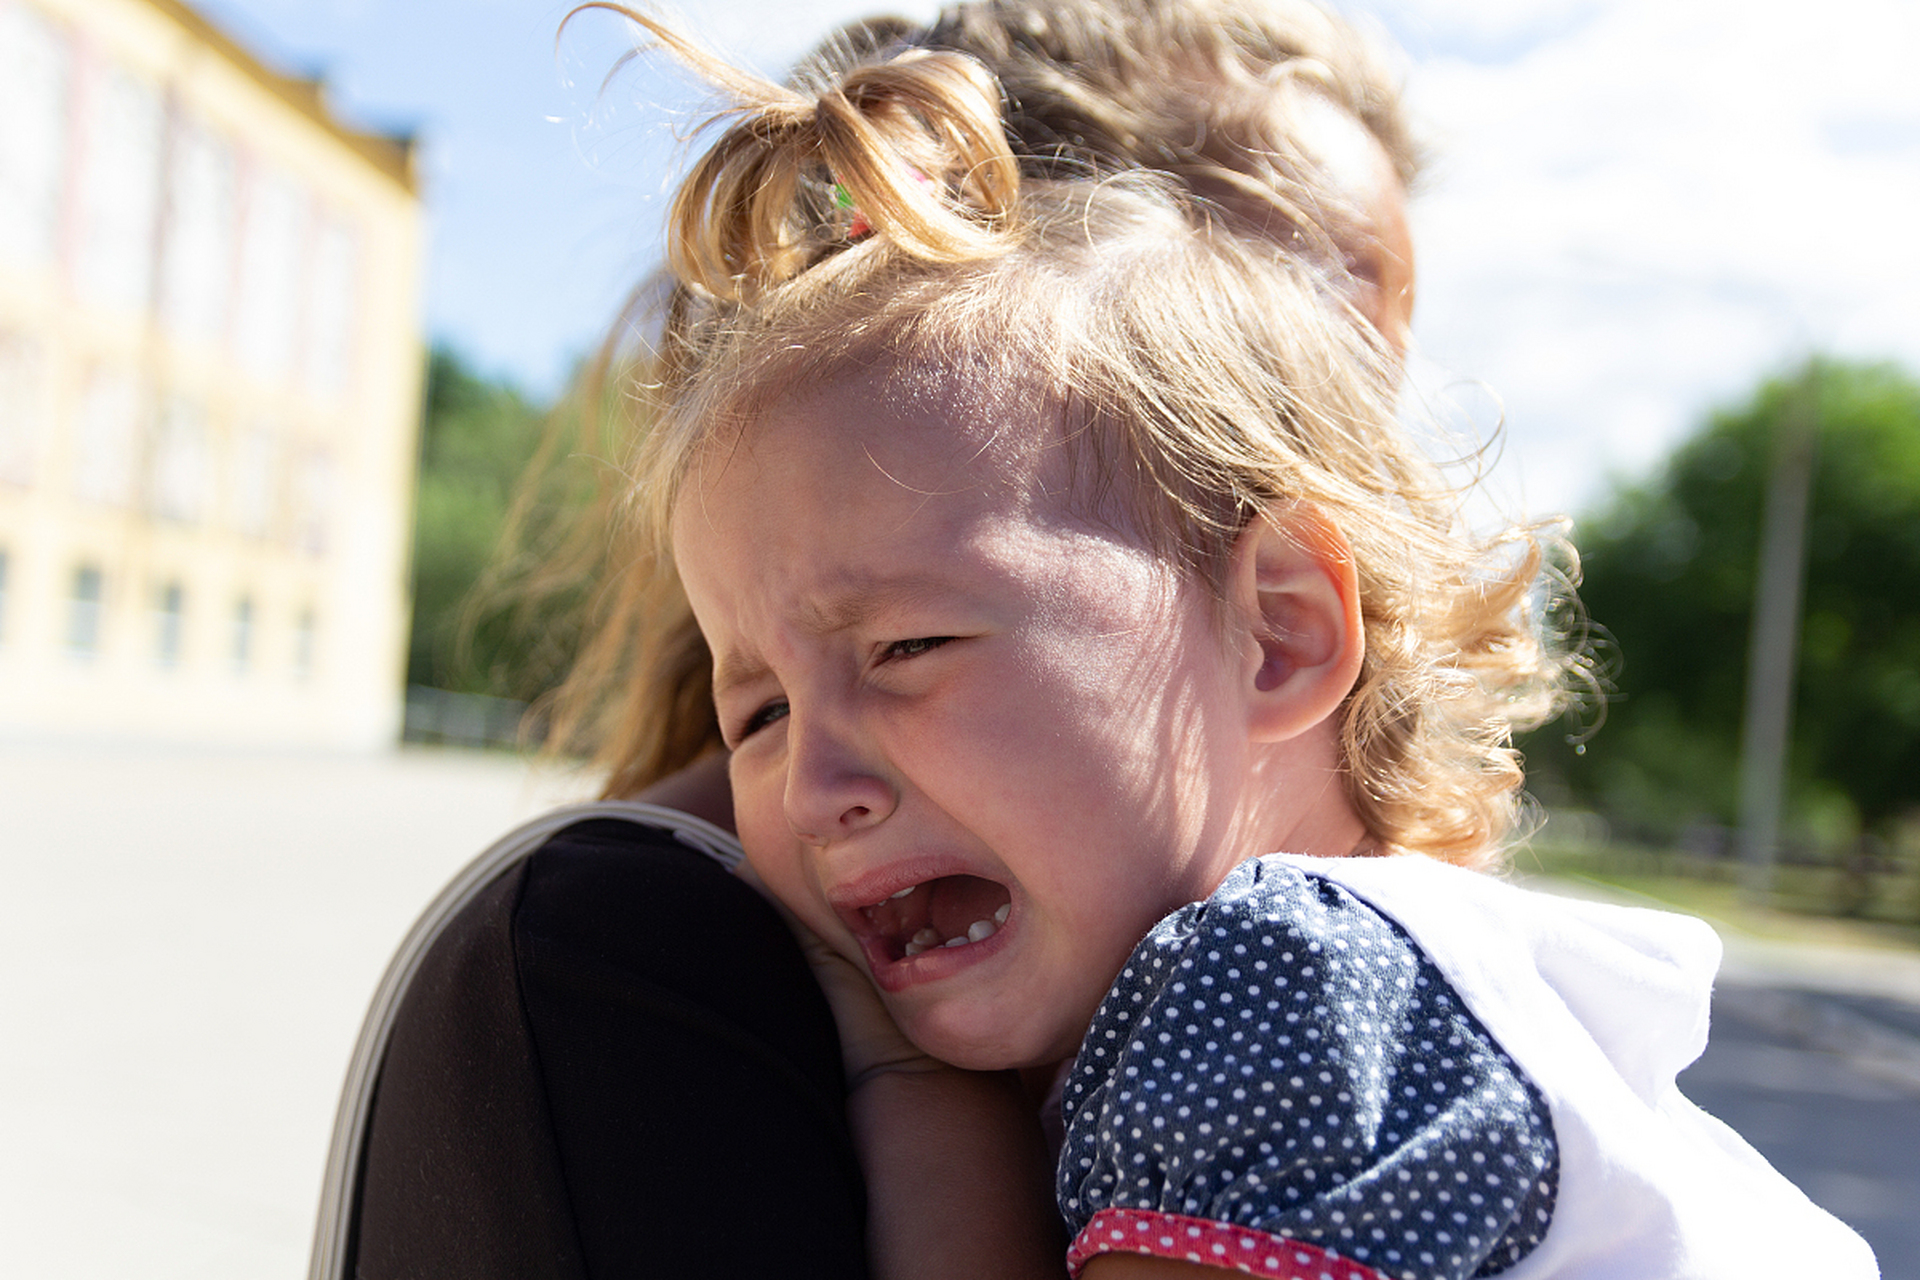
(1670, 566)
(478, 437)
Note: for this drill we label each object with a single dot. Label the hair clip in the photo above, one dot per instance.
(858, 225)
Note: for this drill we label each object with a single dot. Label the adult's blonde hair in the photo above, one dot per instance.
(880, 220)
(1116, 80)
(1210, 91)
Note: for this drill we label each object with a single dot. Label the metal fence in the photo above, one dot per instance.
(440, 717)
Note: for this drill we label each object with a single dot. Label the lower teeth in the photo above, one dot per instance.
(979, 931)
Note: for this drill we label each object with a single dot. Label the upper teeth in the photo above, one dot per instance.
(892, 897)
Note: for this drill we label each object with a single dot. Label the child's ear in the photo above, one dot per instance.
(1295, 590)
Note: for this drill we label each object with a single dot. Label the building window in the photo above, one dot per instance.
(179, 480)
(169, 624)
(241, 649)
(84, 609)
(312, 501)
(254, 486)
(273, 233)
(119, 188)
(305, 639)
(333, 300)
(22, 407)
(106, 438)
(196, 261)
(35, 66)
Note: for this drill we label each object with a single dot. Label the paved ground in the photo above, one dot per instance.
(1848, 1138)
(189, 941)
(187, 946)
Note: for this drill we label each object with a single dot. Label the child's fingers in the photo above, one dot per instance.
(870, 1041)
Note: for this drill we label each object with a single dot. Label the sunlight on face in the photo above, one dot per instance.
(981, 744)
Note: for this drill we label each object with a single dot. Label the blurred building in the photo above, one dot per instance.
(209, 389)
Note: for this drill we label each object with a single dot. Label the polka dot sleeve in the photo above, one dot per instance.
(1280, 1082)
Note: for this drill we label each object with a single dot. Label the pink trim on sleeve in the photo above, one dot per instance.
(1211, 1244)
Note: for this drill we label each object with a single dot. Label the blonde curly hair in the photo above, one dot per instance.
(882, 218)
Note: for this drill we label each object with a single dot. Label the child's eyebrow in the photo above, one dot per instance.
(839, 609)
(731, 670)
(860, 596)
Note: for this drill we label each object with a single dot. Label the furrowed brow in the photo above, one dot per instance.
(861, 598)
(841, 610)
(731, 670)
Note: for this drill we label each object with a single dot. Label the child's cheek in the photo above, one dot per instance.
(774, 857)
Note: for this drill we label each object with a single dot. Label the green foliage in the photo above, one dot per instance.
(478, 438)
(1670, 566)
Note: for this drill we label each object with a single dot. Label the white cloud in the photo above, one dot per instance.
(1640, 217)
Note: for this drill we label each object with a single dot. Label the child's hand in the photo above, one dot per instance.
(870, 1042)
(988, 1208)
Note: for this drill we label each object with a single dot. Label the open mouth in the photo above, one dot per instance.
(950, 911)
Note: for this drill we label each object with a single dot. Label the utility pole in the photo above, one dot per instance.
(1775, 638)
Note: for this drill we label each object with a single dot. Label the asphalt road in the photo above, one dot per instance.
(1849, 1139)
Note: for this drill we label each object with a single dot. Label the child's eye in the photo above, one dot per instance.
(775, 710)
(913, 648)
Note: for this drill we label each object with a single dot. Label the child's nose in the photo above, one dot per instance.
(834, 785)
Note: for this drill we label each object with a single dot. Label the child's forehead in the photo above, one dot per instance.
(975, 393)
(968, 412)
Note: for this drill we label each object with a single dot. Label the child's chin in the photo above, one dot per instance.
(976, 1048)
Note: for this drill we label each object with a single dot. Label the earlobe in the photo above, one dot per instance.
(1299, 597)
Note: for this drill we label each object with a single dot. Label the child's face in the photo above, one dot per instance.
(958, 710)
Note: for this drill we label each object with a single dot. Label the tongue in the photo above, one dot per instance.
(954, 902)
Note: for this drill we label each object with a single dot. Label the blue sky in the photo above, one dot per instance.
(1639, 207)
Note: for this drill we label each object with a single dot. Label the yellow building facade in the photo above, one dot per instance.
(210, 370)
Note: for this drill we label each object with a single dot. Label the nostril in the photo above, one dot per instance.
(851, 819)
(829, 799)
(858, 817)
